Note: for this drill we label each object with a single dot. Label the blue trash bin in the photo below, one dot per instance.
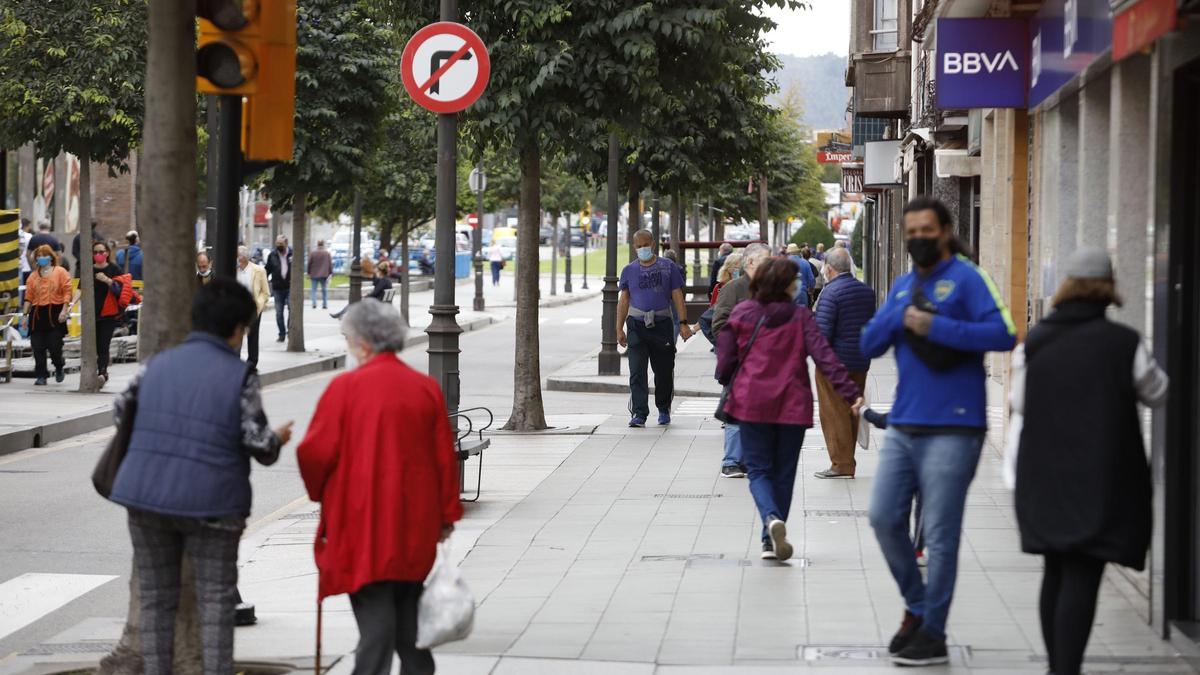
(462, 264)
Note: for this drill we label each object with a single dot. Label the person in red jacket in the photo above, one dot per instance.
(384, 469)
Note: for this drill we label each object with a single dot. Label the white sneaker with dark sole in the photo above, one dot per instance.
(777, 531)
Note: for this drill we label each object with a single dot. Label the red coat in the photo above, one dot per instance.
(384, 469)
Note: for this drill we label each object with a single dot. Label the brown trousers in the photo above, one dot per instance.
(839, 423)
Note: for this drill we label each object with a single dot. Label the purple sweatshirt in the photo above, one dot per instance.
(773, 385)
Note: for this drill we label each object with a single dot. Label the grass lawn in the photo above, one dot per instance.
(595, 263)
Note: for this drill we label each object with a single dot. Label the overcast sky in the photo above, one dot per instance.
(825, 28)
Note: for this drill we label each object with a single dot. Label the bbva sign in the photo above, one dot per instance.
(970, 63)
(982, 63)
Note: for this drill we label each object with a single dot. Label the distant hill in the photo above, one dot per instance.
(822, 88)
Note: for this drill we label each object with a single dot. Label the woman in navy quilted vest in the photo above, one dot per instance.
(197, 421)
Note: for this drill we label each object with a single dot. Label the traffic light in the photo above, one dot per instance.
(248, 48)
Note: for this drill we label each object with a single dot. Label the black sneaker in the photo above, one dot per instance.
(908, 628)
(732, 472)
(923, 650)
(59, 374)
(768, 552)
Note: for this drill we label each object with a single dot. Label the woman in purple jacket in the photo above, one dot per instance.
(771, 395)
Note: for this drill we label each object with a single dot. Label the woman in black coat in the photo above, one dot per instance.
(1082, 480)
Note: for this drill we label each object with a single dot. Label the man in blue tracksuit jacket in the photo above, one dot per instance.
(940, 320)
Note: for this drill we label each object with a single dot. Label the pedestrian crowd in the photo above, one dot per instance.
(1074, 454)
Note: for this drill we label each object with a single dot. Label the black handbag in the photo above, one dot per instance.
(105, 473)
(720, 414)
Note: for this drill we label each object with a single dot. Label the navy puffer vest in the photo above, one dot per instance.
(185, 457)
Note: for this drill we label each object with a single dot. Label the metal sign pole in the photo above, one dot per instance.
(477, 237)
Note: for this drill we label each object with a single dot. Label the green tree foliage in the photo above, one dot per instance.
(71, 77)
(399, 187)
(814, 233)
(856, 243)
(344, 61)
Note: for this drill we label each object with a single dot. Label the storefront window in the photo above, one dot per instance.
(885, 27)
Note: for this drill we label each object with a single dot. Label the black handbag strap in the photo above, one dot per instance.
(746, 351)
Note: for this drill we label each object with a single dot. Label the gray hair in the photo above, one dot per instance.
(376, 323)
(643, 233)
(754, 253)
(725, 249)
(243, 252)
(839, 260)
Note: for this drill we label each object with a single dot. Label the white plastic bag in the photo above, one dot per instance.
(447, 610)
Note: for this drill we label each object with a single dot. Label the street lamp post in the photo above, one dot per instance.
(610, 358)
(478, 185)
(356, 252)
(443, 328)
(587, 238)
(553, 256)
(567, 283)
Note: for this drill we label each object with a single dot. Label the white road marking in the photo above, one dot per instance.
(31, 596)
(578, 320)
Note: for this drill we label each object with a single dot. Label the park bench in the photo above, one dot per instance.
(469, 442)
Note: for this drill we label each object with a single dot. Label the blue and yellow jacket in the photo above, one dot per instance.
(971, 317)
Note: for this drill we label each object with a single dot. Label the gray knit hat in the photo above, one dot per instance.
(1089, 262)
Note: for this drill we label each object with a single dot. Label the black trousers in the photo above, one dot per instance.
(386, 613)
(1070, 584)
(654, 347)
(252, 341)
(43, 341)
(104, 334)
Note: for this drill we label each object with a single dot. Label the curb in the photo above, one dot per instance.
(61, 429)
(582, 386)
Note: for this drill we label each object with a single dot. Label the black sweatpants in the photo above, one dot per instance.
(105, 327)
(386, 613)
(252, 341)
(43, 341)
(654, 347)
(1070, 585)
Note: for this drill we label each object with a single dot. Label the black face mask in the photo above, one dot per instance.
(281, 249)
(925, 251)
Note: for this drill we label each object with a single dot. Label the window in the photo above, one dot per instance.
(884, 27)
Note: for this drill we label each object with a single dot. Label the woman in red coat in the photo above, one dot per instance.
(384, 470)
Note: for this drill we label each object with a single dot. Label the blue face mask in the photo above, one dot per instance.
(737, 273)
(44, 261)
(645, 253)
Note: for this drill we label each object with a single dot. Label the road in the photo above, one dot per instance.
(54, 523)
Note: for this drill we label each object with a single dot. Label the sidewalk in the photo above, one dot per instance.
(615, 551)
(36, 416)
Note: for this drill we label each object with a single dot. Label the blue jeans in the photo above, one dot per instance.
(771, 453)
(941, 467)
(323, 283)
(496, 267)
(281, 303)
(733, 446)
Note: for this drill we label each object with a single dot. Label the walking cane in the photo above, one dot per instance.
(317, 669)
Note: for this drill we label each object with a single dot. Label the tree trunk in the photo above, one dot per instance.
(762, 209)
(635, 210)
(88, 379)
(385, 234)
(677, 225)
(404, 276)
(299, 255)
(528, 413)
(167, 173)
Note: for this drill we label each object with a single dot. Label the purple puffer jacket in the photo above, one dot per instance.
(773, 385)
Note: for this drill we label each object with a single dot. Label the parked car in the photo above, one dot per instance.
(545, 234)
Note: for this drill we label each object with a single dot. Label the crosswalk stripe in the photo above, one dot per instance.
(31, 596)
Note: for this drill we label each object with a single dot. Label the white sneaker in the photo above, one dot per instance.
(777, 530)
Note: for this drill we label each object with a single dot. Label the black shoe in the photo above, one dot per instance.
(908, 628)
(924, 650)
(768, 552)
(732, 472)
(40, 382)
(281, 338)
(743, 468)
(59, 374)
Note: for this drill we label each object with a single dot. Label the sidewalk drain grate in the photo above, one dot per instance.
(958, 654)
(665, 495)
(835, 513)
(87, 647)
(686, 558)
(308, 515)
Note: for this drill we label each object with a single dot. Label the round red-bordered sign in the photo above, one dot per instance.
(445, 67)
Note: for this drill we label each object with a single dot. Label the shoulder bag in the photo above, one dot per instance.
(721, 414)
(105, 473)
